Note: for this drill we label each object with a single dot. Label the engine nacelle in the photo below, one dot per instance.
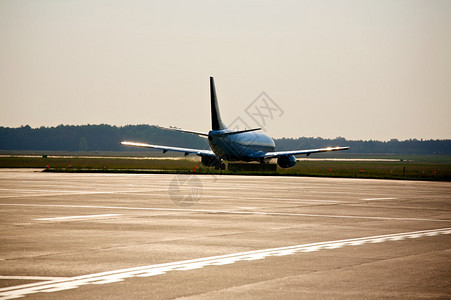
(286, 161)
(210, 161)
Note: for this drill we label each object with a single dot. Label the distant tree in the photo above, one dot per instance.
(107, 138)
(83, 144)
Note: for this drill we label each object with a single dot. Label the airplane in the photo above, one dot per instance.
(235, 145)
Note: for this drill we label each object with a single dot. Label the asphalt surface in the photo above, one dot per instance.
(129, 236)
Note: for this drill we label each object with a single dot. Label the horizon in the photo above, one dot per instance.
(275, 138)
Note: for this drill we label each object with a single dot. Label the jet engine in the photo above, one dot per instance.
(210, 161)
(286, 161)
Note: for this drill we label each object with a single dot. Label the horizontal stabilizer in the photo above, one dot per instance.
(238, 131)
(186, 131)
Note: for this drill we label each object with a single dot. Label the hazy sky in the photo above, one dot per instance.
(356, 69)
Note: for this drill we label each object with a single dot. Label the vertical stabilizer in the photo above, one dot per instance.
(216, 122)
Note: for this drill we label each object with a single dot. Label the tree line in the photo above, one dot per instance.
(394, 146)
(107, 138)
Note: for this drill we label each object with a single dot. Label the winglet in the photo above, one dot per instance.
(216, 122)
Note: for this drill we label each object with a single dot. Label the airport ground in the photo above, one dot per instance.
(166, 236)
(411, 167)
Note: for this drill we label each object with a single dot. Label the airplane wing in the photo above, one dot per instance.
(169, 148)
(299, 152)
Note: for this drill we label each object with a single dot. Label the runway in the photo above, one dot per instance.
(141, 236)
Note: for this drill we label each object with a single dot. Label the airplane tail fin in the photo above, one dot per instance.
(216, 122)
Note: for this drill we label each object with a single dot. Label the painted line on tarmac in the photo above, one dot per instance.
(78, 217)
(226, 212)
(373, 199)
(48, 193)
(74, 193)
(284, 199)
(46, 278)
(192, 264)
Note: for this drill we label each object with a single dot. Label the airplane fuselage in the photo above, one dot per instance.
(247, 146)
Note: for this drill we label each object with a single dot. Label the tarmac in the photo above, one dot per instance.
(165, 236)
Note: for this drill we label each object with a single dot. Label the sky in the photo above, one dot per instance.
(354, 69)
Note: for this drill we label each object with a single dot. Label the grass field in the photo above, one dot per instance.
(91, 162)
(374, 169)
(417, 167)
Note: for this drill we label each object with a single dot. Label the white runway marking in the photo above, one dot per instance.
(78, 217)
(70, 193)
(32, 278)
(285, 199)
(372, 199)
(185, 265)
(225, 212)
(49, 193)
